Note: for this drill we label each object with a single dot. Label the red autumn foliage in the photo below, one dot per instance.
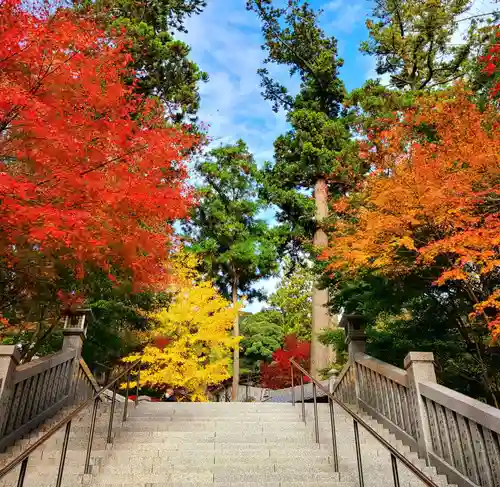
(89, 172)
(277, 374)
(492, 62)
(161, 342)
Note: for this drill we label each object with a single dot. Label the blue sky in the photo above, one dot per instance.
(226, 40)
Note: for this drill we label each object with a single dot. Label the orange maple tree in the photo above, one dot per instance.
(431, 200)
(89, 172)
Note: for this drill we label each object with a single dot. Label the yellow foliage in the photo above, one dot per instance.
(198, 324)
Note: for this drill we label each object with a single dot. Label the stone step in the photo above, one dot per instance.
(131, 461)
(209, 477)
(236, 446)
(217, 456)
(249, 468)
(239, 484)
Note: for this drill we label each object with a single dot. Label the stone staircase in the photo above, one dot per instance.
(219, 444)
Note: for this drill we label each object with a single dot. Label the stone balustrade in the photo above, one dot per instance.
(458, 435)
(33, 392)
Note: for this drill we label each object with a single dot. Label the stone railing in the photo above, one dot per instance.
(86, 385)
(458, 435)
(33, 392)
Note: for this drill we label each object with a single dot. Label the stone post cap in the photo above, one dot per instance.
(412, 357)
(11, 351)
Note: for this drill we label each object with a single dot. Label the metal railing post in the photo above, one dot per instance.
(358, 454)
(91, 435)
(395, 474)
(293, 384)
(125, 407)
(334, 437)
(302, 397)
(396, 456)
(63, 455)
(111, 417)
(22, 473)
(316, 421)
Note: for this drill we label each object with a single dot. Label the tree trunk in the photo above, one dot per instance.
(236, 353)
(29, 352)
(321, 355)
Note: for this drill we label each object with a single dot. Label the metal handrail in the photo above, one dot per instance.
(24, 456)
(357, 420)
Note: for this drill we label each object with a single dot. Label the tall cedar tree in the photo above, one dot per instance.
(236, 245)
(160, 59)
(83, 179)
(316, 154)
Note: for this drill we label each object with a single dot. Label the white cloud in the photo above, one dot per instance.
(225, 42)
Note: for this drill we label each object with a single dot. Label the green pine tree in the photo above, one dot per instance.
(161, 59)
(225, 229)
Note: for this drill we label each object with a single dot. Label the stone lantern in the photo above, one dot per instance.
(354, 326)
(75, 326)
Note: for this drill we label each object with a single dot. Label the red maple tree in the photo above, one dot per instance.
(492, 62)
(277, 374)
(89, 172)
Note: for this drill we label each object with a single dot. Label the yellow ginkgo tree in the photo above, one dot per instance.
(190, 345)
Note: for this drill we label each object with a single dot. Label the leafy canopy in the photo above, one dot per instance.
(160, 60)
(277, 374)
(83, 179)
(431, 202)
(411, 41)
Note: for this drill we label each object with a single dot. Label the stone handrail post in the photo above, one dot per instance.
(355, 337)
(74, 333)
(10, 357)
(420, 368)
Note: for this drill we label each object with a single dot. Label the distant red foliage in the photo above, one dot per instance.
(277, 374)
(161, 342)
(492, 62)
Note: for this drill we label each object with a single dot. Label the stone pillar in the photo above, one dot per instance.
(420, 367)
(355, 337)
(10, 357)
(74, 333)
